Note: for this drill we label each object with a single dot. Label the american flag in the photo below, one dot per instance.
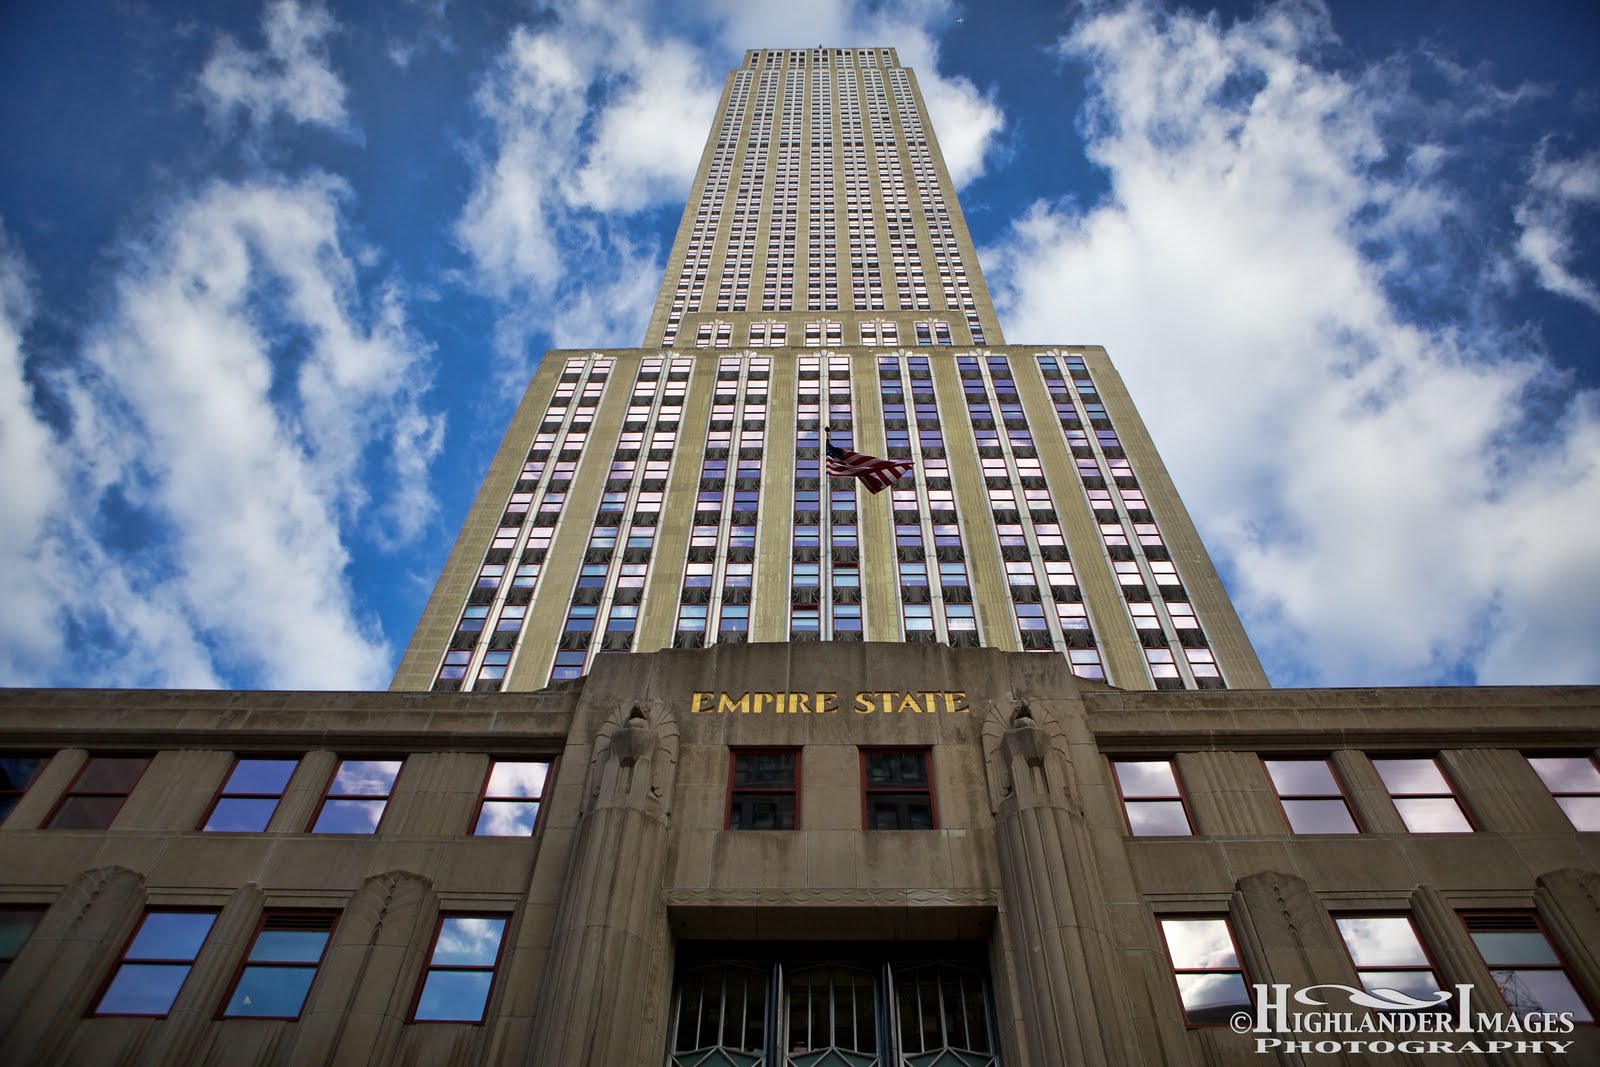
(876, 474)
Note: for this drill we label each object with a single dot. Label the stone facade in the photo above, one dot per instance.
(1028, 872)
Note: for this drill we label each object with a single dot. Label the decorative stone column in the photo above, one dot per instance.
(1568, 901)
(49, 985)
(1072, 996)
(596, 1000)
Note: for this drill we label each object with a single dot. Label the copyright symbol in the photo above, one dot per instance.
(1240, 1021)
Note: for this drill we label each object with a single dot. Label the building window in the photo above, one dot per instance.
(509, 806)
(250, 795)
(281, 965)
(155, 963)
(1524, 964)
(897, 790)
(98, 792)
(461, 965)
(1312, 799)
(1152, 798)
(1423, 796)
(17, 772)
(764, 790)
(356, 797)
(16, 926)
(1211, 984)
(1387, 954)
(1575, 783)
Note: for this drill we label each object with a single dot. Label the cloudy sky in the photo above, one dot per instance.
(273, 275)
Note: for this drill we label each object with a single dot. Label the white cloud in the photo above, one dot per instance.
(1396, 502)
(224, 418)
(1560, 202)
(291, 75)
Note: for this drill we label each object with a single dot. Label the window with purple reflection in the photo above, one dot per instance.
(511, 797)
(357, 797)
(17, 772)
(250, 795)
(1152, 798)
(1311, 796)
(1423, 796)
(1574, 781)
(1205, 962)
(1388, 956)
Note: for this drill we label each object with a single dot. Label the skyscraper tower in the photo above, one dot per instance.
(823, 289)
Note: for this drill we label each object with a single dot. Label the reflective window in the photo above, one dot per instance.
(510, 803)
(16, 924)
(1152, 798)
(460, 974)
(98, 792)
(250, 795)
(1524, 964)
(155, 963)
(356, 797)
(17, 772)
(763, 791)
(1311, 796)
(1389, 959)
(1423, 796)
(281, 965)
(1575, 783)
(1211, 984)
(898, 789)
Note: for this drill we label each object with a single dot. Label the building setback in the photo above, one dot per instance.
(699, 757)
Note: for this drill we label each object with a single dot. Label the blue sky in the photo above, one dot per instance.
(272, 277)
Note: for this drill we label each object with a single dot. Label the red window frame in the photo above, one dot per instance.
(333, 776)
(223, 794)
(72, 790)
(868, 791)
(792, 790)
(1556, 796)
(484, 796)
(1342, 795)
(1453, 793)
(1430, 965)
(1525, 921)
(35, 910)
(245, 963)
(123, 959)
(1124, 801)
(430, 966)
(1175, 971)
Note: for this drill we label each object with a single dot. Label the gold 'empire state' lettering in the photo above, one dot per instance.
(884, 702)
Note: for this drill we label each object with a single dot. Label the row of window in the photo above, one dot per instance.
(274, 978)
(1315, 801)
(1387, 956)
(353, 801)
(896, 790)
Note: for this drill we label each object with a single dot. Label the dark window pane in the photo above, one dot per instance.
(1432, 815)
(1513, 947)
(1158, 818)
(241, 815)
(86, 813)
(1302, 777)
(899, 813)
(271, 992)
(15, 926)
(761, 811)
(468, 941)
(897, 769)
(170, 935)
(1211, 998)
(261, 776)
(289, 946)
(454, 996)
(17, 771)
(349, 817)
(110, 774)
(773, 770)
(507, 818)
(143, 989)
(1319, 817)
(365, 777)
(8, 802)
